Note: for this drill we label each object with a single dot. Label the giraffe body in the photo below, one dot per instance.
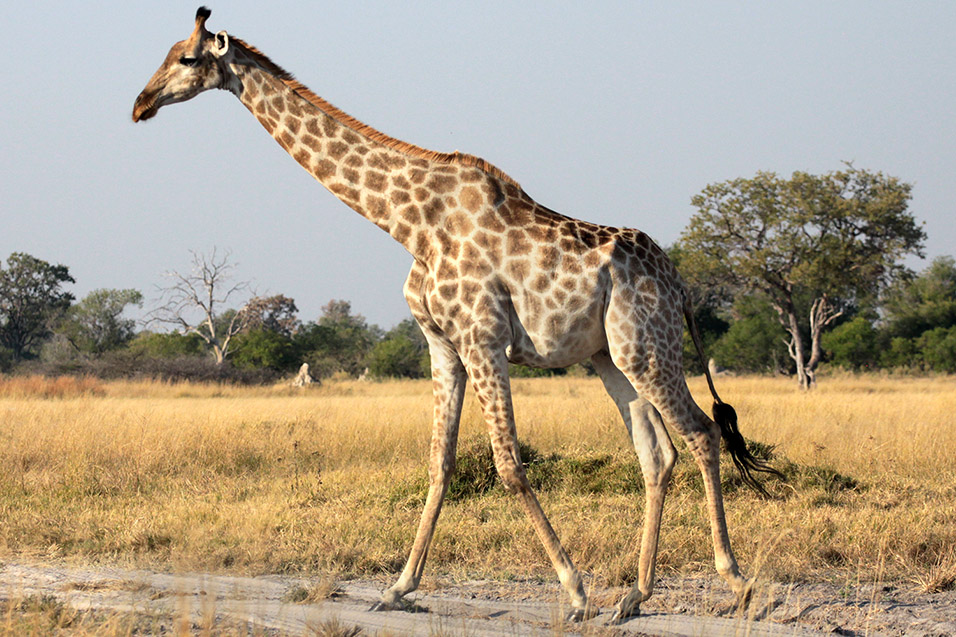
(496, 278)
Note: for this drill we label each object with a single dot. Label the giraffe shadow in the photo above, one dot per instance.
(733, 609)
(413, 607)
(405, 607)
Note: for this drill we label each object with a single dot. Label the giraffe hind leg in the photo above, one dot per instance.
(664, 386)
(704, 444)
(644, 343)
(657, 457)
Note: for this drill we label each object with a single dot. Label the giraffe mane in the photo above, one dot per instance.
(462, 159)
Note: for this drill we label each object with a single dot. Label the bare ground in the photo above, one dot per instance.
(286, 605)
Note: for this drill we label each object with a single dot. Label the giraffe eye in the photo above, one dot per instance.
(188, 61)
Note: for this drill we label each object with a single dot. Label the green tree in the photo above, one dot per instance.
(938, 349)
(755, 341)
(832, 239)
(276, 313)
(901, 352)
(167, 345)
(712, 327)
(854, 344)
(402, 352)
(710, 305)
(915, 305)
(96, 324)
(264, 348)
(31, 300)
(409, 329)
(338, 341)
(395, 357)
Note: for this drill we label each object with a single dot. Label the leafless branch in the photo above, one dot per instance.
(192, 302)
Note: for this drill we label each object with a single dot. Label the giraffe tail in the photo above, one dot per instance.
(726, 418)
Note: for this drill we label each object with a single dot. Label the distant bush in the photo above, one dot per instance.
(6, 359)
(163, 345)
(322, 365)
(396, 357)
(933, 351)
(523, 371)
(123, 364)
(938, 349)
(264, 349)
(901, 353)
(853, 345)
(752, 344)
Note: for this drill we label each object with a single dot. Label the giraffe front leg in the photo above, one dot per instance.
(490, 380)
(448, 381)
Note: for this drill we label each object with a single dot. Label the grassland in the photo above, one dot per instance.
(331, 480)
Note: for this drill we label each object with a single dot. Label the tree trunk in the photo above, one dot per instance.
(804, 375)
(816, 351)
(822, 313)
(787, 314)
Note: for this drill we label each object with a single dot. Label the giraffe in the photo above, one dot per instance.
(496, 278)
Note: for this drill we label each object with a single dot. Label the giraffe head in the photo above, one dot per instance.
(192, 66)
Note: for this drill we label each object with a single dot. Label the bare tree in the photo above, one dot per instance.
(193, 302)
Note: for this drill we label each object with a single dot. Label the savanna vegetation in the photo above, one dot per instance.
(170, 442)
(788, 276)
(268, 479)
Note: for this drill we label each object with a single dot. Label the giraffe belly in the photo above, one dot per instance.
(555, 339)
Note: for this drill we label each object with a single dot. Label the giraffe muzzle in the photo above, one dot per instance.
(145, 107)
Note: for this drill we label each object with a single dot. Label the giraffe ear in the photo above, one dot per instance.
(222, 44)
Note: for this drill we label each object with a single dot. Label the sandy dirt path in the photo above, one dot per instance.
(681, 607)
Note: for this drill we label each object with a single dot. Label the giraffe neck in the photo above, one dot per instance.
(407, 191)
(351, 166)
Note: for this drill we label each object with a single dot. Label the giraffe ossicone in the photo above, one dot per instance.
(496, 278)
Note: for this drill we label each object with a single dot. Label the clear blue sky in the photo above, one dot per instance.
(615, 112)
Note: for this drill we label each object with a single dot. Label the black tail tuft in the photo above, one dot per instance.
(726, 417)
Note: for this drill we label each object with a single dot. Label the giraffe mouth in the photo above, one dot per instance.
(144, 108)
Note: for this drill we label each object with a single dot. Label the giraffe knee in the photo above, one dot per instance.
(657, 475)
(653, 446)
(668, 460)
(514, 480)
(512, 474)
(704, 443)
(440, 473)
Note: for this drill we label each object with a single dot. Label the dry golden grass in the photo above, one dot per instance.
(41, 387)
(45, 615)
(332, 479)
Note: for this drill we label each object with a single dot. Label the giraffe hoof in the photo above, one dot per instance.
(578, 615)
(743, 598)
(380, 606)
(620, 617)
